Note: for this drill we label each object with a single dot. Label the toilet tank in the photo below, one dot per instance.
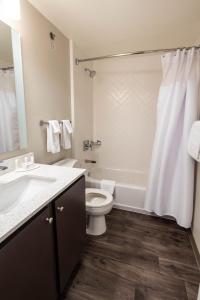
(68, 162)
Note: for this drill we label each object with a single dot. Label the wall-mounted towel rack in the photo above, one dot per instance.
(42, 123)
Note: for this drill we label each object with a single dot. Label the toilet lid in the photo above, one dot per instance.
(97, 197)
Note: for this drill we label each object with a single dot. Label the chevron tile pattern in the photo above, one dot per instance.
(124, 99)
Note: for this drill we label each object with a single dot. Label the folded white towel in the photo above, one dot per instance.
(53, 136)
(68, 125)
(66, 130)
(108, 185)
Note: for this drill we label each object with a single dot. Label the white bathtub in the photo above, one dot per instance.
(130, 187)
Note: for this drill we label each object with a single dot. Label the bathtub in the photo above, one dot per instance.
(130, 187)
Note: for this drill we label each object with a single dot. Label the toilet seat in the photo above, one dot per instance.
(97, 198)
(98, 204)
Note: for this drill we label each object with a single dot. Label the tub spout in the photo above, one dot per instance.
(88, 161)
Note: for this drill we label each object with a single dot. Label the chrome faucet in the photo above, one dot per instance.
(87, 144)
(94, 144)
(3, 168)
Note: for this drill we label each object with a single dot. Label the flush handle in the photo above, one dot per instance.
(61, 208)
(49, 220)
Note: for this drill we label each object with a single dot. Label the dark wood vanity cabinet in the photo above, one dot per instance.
(27, 262)
(70, 229)
(38, 259)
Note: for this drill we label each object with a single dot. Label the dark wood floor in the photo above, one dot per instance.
(140, 257)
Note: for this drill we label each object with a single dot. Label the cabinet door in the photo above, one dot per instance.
(27, 262)
(70, 228)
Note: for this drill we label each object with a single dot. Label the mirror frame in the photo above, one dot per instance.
(19, 87)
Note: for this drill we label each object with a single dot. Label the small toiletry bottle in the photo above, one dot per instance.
(25, 164)
(32, 159)
(16, 164)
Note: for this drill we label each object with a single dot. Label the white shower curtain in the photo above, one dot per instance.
(171, 179)
(9, 131)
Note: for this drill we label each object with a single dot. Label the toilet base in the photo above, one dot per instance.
(96, 225)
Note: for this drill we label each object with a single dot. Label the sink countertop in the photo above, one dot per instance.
(13, 219)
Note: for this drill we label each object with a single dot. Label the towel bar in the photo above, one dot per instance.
(42, 123)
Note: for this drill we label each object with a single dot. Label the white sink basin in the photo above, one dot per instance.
(22, 189)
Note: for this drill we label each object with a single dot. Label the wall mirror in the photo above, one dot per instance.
(13, 134)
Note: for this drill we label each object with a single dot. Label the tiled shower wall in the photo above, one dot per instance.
(125, 93)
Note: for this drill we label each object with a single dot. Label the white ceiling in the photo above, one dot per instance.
(101, 27)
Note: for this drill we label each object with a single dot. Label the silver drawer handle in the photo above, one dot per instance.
(49, 220)
(60, 208)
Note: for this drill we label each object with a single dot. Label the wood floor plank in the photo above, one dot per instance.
(139, 257)
(177, 270)
(156, 284)
(164, 225)
(147, 294)
(165, 244)
(102, 284)
(192, 290)
(133, 254)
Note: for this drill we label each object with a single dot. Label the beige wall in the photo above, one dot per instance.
(106, 27)
(46, 79)
(6, 55)
(125, 94)
(196, 221)
(83, 107)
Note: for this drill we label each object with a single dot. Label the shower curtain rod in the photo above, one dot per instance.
(80, 60)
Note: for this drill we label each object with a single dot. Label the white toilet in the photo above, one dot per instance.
(98, 204)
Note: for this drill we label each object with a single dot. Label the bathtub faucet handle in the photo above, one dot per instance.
(94, 144)
(86, 145)
(98, 143)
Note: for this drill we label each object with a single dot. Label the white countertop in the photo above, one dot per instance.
(11, 220)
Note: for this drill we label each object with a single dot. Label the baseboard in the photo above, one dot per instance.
(140, 211)
(133, 209)
(194, 247)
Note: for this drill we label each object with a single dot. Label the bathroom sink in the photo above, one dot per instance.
(22, 189)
